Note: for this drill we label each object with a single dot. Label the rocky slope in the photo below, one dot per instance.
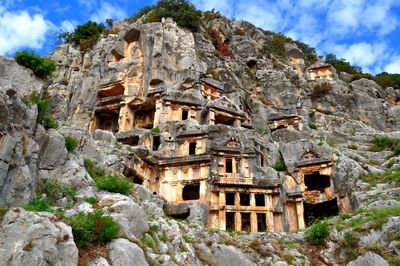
(347, 117)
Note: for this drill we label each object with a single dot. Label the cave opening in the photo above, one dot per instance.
(316, 181)
(246, 224)
(132, 175)
(192, 148)
(156, 143)
(230, 221)
(230, 198)
(191, 192)
(108, 120)
(224, 120)
(320, 211)
(261, 222)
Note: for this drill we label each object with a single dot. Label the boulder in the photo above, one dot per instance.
(229, 256)
(125, 253)
(28, 238)
(369, 259)
(54, 152)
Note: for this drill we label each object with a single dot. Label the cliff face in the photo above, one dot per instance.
(204, 127)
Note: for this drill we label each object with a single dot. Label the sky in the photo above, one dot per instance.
(365, 32)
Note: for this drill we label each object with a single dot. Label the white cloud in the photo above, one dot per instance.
(393, 66)
(21, 30)
(107, 11)
(68, 25)
(262, 16)
(369, 56)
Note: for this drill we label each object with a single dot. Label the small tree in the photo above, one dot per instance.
(41, 66)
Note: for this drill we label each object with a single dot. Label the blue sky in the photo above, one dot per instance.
(365, 32)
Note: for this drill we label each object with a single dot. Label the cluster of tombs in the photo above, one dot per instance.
(207, 151)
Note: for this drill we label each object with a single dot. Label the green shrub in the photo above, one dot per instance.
(312, 126)
(262, 131)
(318, 232)
(383, 143)
(155, 131)
(362, 75)
(41, 67)
(350, 239)
(341, 65)
(71, 143)
(352, 146)
(39, 205)
(106, 181)
(390, 164)
(279, 166)
(322, 88)
(88, 31)
(55, 190)
(91, 200)
(181, 11)
(48, 122)
(276, 45)
(114, 183)
(92, 228)
(331, 143)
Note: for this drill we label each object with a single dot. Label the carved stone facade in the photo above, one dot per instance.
(197, 143)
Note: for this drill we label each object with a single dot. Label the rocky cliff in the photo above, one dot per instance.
(266, 108)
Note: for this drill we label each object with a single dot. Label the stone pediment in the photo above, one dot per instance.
(233, 142)
(224, 103)
(309, 155)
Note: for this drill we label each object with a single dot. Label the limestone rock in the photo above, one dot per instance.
(54, 153)
(125, 253)
(42, 241)
(228, 255)
(369, 259)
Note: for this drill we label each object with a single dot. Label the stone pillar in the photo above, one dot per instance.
(203, 191)
(157, 114)
(300, 215)
(221, 216)
(238, 221)
(270, 214)
(253, 221)
(211, 118)
(237, 123)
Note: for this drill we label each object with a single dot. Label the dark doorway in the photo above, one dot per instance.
(156, 143)
(230, 221)
(244, 199)
(191, 192)
(132, 175)
(246, 224)
(228, 166)
(224, 120)
(260, 199)
(108, 121)
(261, 160)
(132, 140)
(320, 211)
(316, 181)
(192, 148)
(185, 114)
(230, 198)
(261, 222)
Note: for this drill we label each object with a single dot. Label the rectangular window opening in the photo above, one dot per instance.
(260, 200)
(244, 199)
(230, 199)
(246, 224)
(262, 160)
(185, 114)
(228, 166)
(230, 221)
(192, 148)
(156, 143)
(261, 222)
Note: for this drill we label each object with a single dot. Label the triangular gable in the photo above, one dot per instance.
(226, 103)
(233, 142)
(309, 154)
